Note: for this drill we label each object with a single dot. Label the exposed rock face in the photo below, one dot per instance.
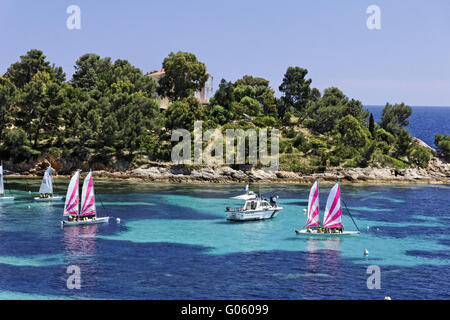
(437, 172)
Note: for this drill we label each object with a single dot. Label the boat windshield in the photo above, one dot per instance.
(250, 205)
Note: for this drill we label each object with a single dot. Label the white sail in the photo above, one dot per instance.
(332, 217)
(313, 206)
(88, 197)
(2, 188)
(72, 199)
(47, 183)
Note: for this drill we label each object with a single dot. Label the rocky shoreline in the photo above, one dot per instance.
(437, 172)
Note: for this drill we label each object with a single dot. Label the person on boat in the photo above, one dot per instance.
(308, 229)
(273, 201)
(319, 230)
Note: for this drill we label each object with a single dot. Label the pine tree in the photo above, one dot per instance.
(372, 126)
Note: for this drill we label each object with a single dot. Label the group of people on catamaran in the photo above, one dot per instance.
(77, 218)
(326, 230)
(44, 195)
(332, 220)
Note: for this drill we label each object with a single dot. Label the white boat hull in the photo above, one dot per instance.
(252, 215)
(48, 199)
(315, 233)
(6, 199)
(80, 223)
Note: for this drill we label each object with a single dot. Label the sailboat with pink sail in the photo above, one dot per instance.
(332, 220)
(84, 212)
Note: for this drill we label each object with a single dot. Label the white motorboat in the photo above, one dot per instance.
(81, 213)
(46, 189)
(332, 220)
(2, 187)
(254, 209)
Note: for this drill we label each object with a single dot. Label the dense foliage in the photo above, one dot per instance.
(443, 143)
(109, 112)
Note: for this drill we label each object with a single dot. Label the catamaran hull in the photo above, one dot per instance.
(48, 199)
(80, 223)
(315, 233)
(6, 199)
(251, 216)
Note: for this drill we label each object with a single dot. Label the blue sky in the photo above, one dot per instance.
(406, 61)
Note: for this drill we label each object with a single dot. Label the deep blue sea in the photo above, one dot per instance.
(173, 242)
(425, 122)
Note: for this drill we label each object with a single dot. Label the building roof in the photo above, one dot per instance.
(157, 73)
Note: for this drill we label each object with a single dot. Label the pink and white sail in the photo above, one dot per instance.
(313, 206)
(333, 217)
(87, 197)
(72, 198)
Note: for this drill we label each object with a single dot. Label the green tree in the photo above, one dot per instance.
(17, 146)
(251, 106)
(296, 90)
(7, 98)
(443, 143)
(182, 113)
(372, 126)
(36, 108)
(92, 72)
(351, 132)
(225, 98)
(419, 156)
(184, 75)
(334, 105)
(21, 72)
(393, 117)
(403, 143)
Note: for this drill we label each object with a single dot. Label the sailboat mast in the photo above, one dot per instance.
(2, 188)
(79, 204)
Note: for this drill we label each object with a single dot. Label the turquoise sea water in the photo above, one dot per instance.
(173, 242)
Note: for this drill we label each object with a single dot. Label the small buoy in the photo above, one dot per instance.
(368, 228)
(304, 210)
(366, 252)
(387, 298)
(118, 220)
(29, 191)
(29, 207)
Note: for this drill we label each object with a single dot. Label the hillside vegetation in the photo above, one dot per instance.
(107, 116)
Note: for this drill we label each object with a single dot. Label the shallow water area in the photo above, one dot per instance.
(173, 242)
